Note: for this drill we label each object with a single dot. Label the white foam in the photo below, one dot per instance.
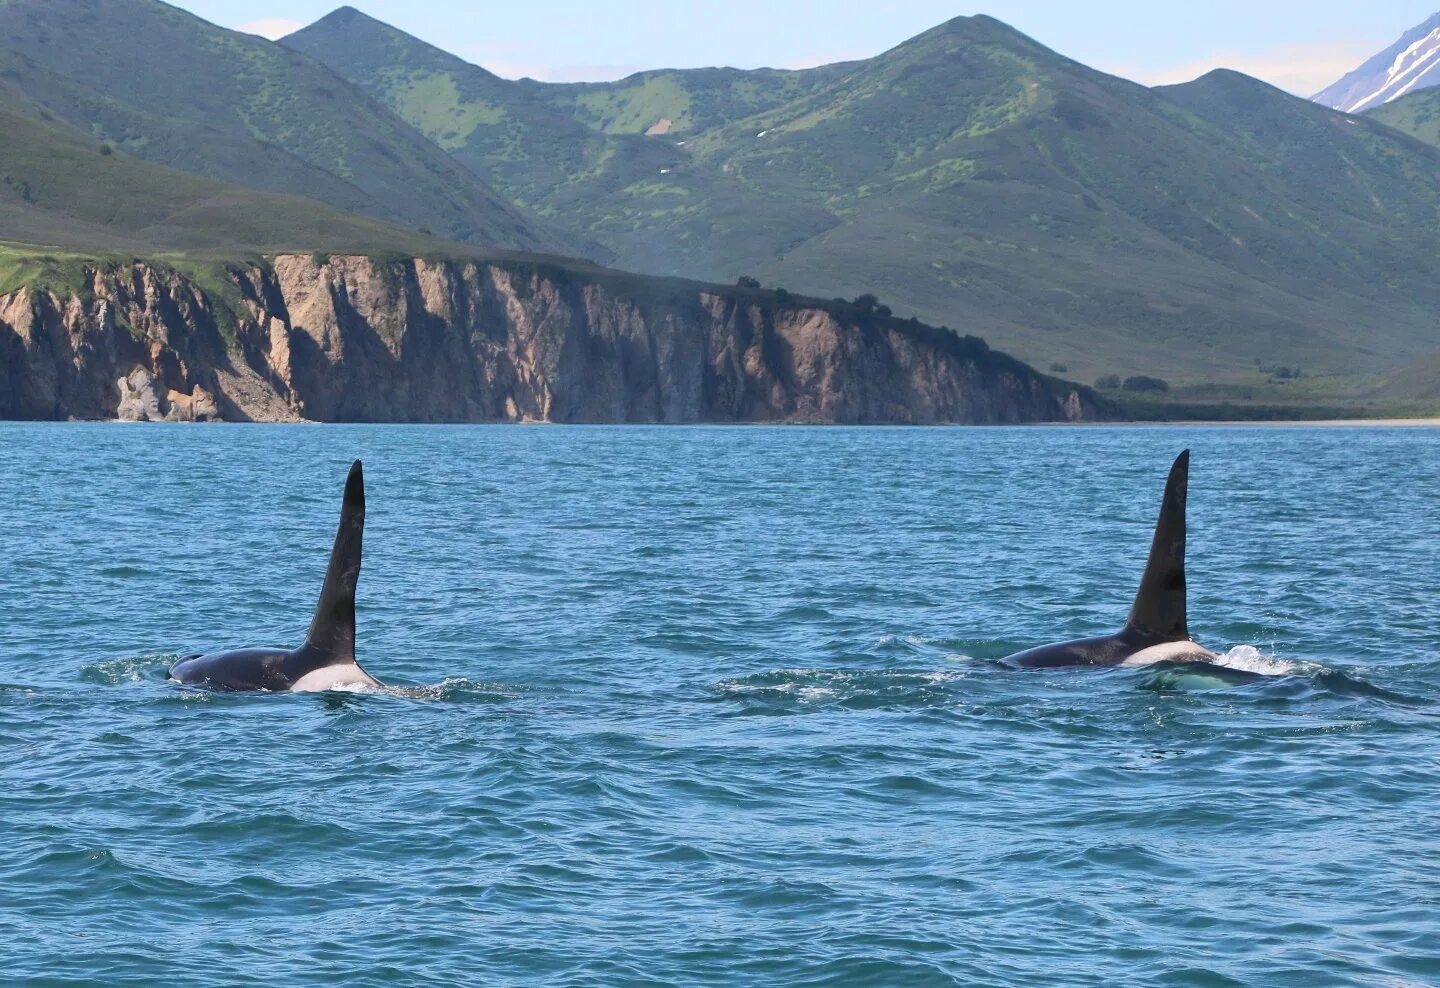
(822, 685)
(1248, 658)
(349, 688)
(435, 691)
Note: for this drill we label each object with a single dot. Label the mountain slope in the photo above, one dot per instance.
(211, 328)
(579, 154)
(1093, 216)
(973, 177)
(61, 188)
(1409, 65)
(1417, 115)
(683, 101)
(525, 144)
(168, 87)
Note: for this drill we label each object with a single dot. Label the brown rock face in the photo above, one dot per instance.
(132, 344)
(359, 340)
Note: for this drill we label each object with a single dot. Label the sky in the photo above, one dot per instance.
(1299, 45)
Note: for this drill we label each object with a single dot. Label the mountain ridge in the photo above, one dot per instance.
(249, 112)
(974, 177)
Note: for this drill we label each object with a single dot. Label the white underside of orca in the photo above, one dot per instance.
(1169, 652)
(335, 678)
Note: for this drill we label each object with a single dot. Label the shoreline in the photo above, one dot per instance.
(1374, 423)
(1397, 423)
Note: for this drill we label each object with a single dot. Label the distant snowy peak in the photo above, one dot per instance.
(1411, 63)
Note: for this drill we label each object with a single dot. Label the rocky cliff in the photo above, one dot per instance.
(355, 339)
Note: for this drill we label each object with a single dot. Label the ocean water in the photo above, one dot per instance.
(720, 707)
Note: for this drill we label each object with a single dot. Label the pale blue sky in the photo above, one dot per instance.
(1301, 45)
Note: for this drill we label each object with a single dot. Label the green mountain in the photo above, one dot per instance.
(683, 101)
(973, 177)
(578, 155)
(165, 86)
(61, 188)
(1417, 115)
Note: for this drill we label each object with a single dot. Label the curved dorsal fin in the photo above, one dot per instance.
(333, 629)
(1159, 611)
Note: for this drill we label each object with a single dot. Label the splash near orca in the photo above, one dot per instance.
(1158, 629)
(327, 658)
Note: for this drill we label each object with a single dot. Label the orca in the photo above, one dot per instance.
(327, 658)
(1158, 630)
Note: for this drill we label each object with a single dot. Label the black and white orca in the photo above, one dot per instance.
(327, 658)
(1158, 629)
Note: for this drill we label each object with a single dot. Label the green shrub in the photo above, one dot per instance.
(1142, 383)
(1282, 373)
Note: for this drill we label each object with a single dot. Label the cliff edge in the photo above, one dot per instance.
(360, 339)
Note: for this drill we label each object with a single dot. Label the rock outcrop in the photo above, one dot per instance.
(355, 339)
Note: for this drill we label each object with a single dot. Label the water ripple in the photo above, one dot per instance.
(720, 706)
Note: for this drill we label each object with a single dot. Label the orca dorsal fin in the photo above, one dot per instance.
(1159, 611)
(332, 631)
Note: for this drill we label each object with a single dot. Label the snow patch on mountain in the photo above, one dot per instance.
(1410, 64)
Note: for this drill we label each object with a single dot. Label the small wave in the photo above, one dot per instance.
(804, 612)
(452, 689)
(922, 644)
(1343, 683)
(787, 689)
(124, 572)
(907, 644)
(1246, 665)
(1198, 677)
(1243, 665)
(119, 672)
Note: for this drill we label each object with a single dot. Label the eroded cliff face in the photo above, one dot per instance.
(353, 339)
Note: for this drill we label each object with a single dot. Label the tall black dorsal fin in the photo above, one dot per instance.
(333, 629)
(1159, 610)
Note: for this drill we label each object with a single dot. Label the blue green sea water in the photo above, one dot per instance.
(719, 707)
